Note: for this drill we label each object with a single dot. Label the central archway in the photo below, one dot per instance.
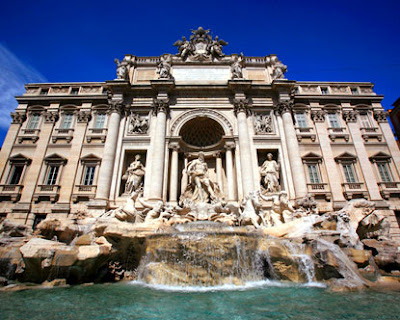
(201, 132)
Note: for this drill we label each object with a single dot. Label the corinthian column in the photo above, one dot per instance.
(160, 108)
(173, 181)
(296, 165)
(110, 146)
(229, 172)
(241, 107)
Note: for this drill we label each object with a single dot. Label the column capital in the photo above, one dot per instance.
(229, 145)
(350, 116)
(18, 117)
(241, 105)
(116, 106)
(84, 116)
(160, 105)
(318, 115)
(50, 116)
(381, 115)
(283, 107)
(174, 146)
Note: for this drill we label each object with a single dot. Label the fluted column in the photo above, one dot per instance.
(173, 180)
(158, 156)
(229, 172)
(218, 166)
(110, 146)
(241, 107)
(300, 182)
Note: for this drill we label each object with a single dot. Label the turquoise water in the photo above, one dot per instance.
(135, 301)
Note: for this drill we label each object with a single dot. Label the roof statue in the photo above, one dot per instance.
(201, 46)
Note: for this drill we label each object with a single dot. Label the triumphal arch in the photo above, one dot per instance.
(197, 129)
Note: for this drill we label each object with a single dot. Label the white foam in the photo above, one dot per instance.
(227, 287)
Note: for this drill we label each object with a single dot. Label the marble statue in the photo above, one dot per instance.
(138, 124)
(279, 69)
(270, 175)
(215, 48)
(200, 187)
(151, 212)
(122, 69)
(164, 67)
(250, 212)
(282, 210)
(237, 67)
(185, 49)
(134, 175)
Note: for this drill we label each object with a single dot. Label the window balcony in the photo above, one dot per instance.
(62, 134)
(47, 192)
(11, 191)
(82, 192)
(319, 189)
(351, 189)
(305, 132)
(388, 189)
(29, 134)
(370, 133)
(335, 133)
(96, 134)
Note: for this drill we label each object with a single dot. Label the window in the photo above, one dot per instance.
(354, 90)
(66, 122)
(33, 121)
(324, 90)
(313, 173)
(44, 92)
(88, 177)
(75, 91)
(301, 120)
(349, 174)
(100, 120)
(333, 120)
(52, 174)
(16, 174)
(384, 171)
(365, 122)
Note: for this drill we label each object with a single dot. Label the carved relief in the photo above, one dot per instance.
(339, 89)
(59, 90)
(91, 89)
(311, 89)
(138, 124)
(263, 123)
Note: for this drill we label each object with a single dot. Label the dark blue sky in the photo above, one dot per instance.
(73, 40)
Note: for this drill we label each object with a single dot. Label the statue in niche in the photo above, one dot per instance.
(237, 67)
(164, 67)
(270, 175)
(200, 187)
(138, 124)
(263, 123)
(122, 69)
(134, 176)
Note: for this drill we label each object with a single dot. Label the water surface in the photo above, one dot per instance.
(257, 301)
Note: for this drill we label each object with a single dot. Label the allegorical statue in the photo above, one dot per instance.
(200, 188)
(270, 175)
(186, 48)
(215, 48)
(134, 175)
(138, 124)
(164, 67)
(122, 69)
(237, 67)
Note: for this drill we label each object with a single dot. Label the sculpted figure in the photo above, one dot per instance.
(270, 174)
(251, 207)
(282, 210)
(164, 68)
(203, 188)
(215, 48)
(237, 66)
(134, 175)
(152, 212)
(185, 48)
(122, 69)
(263, 124)
(279, 69)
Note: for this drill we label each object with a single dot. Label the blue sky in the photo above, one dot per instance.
(58, 41)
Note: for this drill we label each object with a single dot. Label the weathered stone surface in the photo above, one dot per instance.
(386, 254)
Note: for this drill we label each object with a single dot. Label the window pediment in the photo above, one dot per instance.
(380, 156)
(346, 156)
(55, 158)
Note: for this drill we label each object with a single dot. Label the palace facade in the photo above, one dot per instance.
(70, 144)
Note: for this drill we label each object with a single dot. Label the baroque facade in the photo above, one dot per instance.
(86, 147)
